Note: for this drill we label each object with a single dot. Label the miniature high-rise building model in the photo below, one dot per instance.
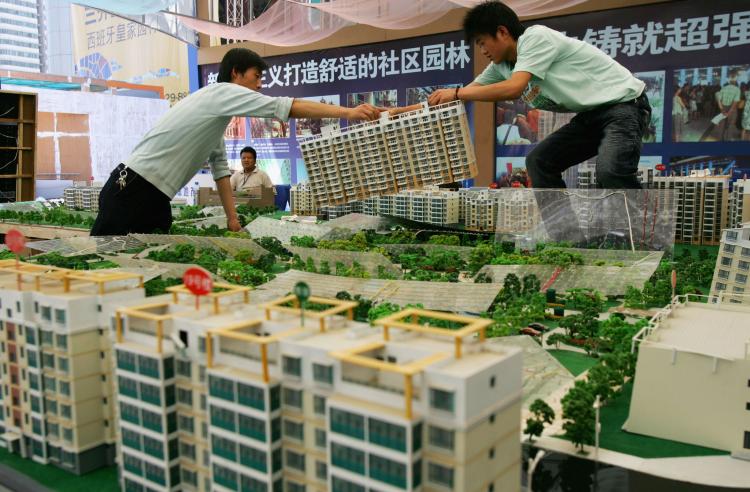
(301, 201)
(702, 206)
(433, 206)
(740, 203)
(57, 405)
(83, 197)
(241, 397)
(733, 266)
(428, 146)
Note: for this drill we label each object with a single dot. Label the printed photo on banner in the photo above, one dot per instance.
(734, 166)
(312, 126)
(415, 95)
(279, 170)
(381, 99)
(301, 171)
(268, 128)
(236, 129)
(710, 104)
(521, 124)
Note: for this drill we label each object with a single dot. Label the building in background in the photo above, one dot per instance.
(21, 35)
(702, 206)
(733, 266)
(301, 201)
(82, 197)
(58, 403)
(57, 37)
(587, 176)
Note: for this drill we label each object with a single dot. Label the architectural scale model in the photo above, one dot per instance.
(702, 206)
(740, 203)
(587, 176)
(239, 397)
(82, 197)
(431, 145)
(693, 366)
(301, 201)
(733, 266)
(58, 400)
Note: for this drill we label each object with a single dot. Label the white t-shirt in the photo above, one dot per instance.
(568, 75)
(192, 131)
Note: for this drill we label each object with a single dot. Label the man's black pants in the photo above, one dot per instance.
(613, 133)
(138, 207)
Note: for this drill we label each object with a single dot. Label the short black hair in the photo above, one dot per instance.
(486, 17)
(249, 149)
(239, 60)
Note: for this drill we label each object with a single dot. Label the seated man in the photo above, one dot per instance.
(251, 176)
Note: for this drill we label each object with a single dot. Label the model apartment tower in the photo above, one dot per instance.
(702, 206)
(733, 266)
(57, 402)
(239, 397)
(301, 201)
(82, 197)
(427, 146)
(740, 203)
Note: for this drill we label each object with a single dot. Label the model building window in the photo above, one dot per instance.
(388, 471)
(387, 434)
(747, 440)
(60, 316)
(294, 487)
(221, 388)
(185, 396)
(723, 274)
(30, 336)
(226, 448)
(342, 485)
(254, 458)
(62, 342)
(441, 438)
(294, 430)
(190, 477)
(221, 417)
(252, 427)
(323, 373)
(347, 423)
(441, 400)
(744, 251)
(169, 368)
(183, 368)
(320, 437)
(292, 398)
(726, 261)
(65, 388)
(439, 474)
(251, 396)
(319, 404)
(741, 278)
(292, 366)
(62, 365)
(186, 423)
(187, 450)
(720, 286)
(744, 265)
(348, 458)
(148, 366)
(295, 460)
(728, 248)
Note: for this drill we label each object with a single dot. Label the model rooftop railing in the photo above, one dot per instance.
(43, 275)
(678, 301)
(337, 307)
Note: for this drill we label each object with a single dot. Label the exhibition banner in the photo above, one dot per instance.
(691, 54)
(389, 74)
(109, 47)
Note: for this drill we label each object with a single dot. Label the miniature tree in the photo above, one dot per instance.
(556, 339)
(634, 298)
(541, 414)
(297, 263)
(531, 284)
(303, 241)
(382, 310)
(578, 414)
(480, 256)
(511, 286)
(310, 265)
(325, 268)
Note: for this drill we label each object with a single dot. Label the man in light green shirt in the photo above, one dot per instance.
(728, 98)
(137, 196)
(553, 72)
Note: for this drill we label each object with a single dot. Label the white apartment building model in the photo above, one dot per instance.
(235, 396)
(301, 200)
(692, 378)
(56, 399)
(82, 197)
(732, 270)
(431, 145)
(739, 212)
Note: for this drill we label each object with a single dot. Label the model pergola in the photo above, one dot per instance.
(337, 307)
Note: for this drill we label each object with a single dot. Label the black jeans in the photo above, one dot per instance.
(612, 132)
(138, 207)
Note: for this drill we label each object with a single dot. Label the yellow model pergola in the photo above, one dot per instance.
(229, 290)
(65, 275)
(337, 307)
(471, 326)
(142, 312)
(235, 332)
(354, 356)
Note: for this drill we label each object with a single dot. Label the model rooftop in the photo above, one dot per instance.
(713, 330)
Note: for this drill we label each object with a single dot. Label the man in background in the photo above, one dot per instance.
(251, 176)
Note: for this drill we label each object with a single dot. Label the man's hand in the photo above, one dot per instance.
(442, 96)
(233, 224)
(366, 112)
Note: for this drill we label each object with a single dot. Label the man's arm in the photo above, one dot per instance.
(227, 201)
(311, 109)
(507, 90)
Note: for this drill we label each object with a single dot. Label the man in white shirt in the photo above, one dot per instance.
(137, 196)
(251, 176)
